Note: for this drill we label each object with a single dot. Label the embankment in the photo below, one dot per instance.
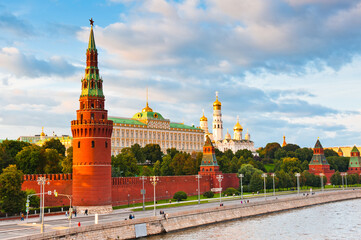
(177, 221)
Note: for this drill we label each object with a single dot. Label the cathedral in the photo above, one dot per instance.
(223, 144)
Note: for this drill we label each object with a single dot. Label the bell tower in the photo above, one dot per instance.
(92, 141)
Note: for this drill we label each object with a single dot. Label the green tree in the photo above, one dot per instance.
(55, 144)
(52, 161)
(156, 168)
(138, 153)
(125, 163)
(330, 153)
(291, 165)
(172, 152)
(270, 149)
(256, 182)
(178, 162)
(248, 170)
(353, 179)
(12, 198)
(336, 178)
(31, 160)
(290, 147)
(280, 153)
(67, 163)
(338, 163)
(147, 171)
(191, 166)
(285, 179)
(8, 151)
(304, 154)
(166, 169)
(34, 200)
(244, 153)
(153, 152)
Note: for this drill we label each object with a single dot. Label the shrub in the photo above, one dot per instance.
(230, 191)
(179, 196)
(208, 194)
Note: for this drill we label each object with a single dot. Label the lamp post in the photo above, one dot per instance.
(298, 182)
(241, 176)
(342, 174)
(346, 179)
(199, 190)
(321, 175)
(42, 181)
(264, 175)
(220, 178)
(274, 189)
(154, 180)
(143, 191)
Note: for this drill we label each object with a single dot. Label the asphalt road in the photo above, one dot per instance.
(16, 228)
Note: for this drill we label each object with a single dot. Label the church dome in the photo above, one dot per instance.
(238, 127)
(147, 109)
(42, 134)
(203, 118)
(247, 136)
(217, 104)
(228, 136)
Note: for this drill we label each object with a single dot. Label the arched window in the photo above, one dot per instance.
(93, 144)
(92, 105)
(106, 144)
(79, 144)
(85, 84)
(92, 116)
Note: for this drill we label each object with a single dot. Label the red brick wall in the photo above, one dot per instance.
(121, 187)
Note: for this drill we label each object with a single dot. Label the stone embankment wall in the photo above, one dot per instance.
(126, 190)
(130, 229)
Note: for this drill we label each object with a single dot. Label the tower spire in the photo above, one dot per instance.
(147, 108)
(91, 45)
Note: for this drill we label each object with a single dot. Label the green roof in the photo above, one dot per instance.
(180, 125)
(148, 115)
(126, 121)
(318, 144)
(91, 45)
(354, 149)
(355, 161)
(318, 159)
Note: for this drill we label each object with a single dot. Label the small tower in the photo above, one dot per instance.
(217, 120)
(228, 136)
(42, 134)
(237, 130)
(209, 165)
(284, 141)
(354, 165)
(339, 152)
(247, 136)
(318, 163)
(92, 187)
(203, 122)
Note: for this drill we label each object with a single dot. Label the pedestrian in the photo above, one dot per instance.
(133, 216)
(130, 216)
(66, 213)
(170, 200)
(22, 216)
(86, 211)
(74, 212)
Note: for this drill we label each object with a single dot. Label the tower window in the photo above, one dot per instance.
(92, 116)
(92, 105)
(103, 116)
(106, 144)
(79, 144)
(93, 144)
(81, 117)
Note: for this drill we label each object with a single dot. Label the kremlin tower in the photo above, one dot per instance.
(284, 141)
(217, 120)
(318, 163)
(355, 161)
(209, 165)
(92, 141)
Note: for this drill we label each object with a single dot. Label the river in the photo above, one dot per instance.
(340, 220)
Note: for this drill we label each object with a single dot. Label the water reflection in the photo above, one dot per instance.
(340, 220)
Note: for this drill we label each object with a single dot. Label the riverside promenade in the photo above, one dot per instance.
(147, 226)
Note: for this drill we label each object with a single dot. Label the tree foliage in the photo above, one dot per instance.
(125, 164)
(55, 144)
(152, 152)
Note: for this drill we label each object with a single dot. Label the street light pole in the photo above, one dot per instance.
(241, 176)
(143, 191)
(199, 191)
(264, 175)
(274, 189)
(298, 182)
(342, 174)
(154, 181)
(321, 175)
(346, 179)
(220, 178)
(42, 181)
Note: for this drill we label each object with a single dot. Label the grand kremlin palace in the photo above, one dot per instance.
(149, 127)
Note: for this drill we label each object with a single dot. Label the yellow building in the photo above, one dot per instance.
(343, 151)
(40, 139)
(149, 127)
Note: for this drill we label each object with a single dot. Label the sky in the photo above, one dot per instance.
(285, 67)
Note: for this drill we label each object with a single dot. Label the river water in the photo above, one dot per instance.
(340, 220)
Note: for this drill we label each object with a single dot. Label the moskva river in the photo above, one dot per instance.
(340, 220)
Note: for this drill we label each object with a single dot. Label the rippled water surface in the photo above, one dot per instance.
(340, 220)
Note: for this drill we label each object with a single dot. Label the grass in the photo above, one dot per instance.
(269, 167)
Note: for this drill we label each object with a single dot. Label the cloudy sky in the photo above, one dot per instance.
(288, 67)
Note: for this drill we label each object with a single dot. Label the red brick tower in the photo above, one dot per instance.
(92, 141)
(318, 163)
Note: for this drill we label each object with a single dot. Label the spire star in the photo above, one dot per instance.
(91, 22)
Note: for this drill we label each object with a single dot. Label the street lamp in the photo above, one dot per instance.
(298, 182)
(42, 181)
(321, 175)
(346, 179)
(154, 180)
(274, 189)
(143, 191)
(241, 176)
(342, 174)
(199, 191)
(220, 178)
(264, 175)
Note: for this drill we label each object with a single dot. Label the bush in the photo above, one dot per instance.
(179, 196)
(208, 194)
(230, 191)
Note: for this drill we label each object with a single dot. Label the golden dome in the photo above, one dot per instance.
(217, 104)
(42, 134)
(147, 109)
(203, 118)
(238, 127)
(228, 136)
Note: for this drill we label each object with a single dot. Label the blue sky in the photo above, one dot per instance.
(288, 67)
